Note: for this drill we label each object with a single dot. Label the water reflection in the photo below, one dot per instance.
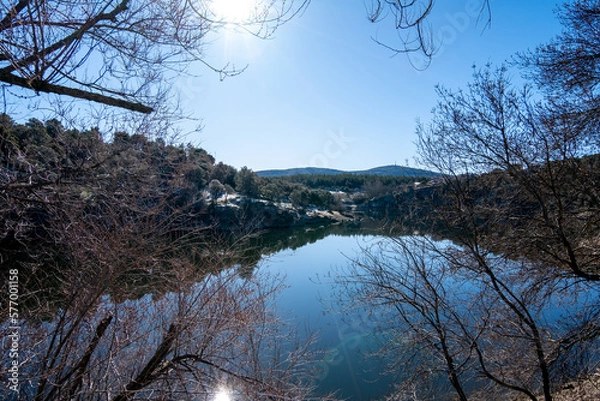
(217, 313)
(348, 338)
(177, 345)
(424, 296)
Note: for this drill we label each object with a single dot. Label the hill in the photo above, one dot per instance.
(387, 171)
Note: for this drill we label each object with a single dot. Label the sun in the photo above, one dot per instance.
(222, 395)
(234, 11)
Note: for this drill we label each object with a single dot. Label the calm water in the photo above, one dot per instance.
(348, 338)
(311, 300)
(311, 261)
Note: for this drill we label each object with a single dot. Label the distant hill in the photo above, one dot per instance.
(392, 171)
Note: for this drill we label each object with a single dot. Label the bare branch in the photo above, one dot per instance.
(43, 86)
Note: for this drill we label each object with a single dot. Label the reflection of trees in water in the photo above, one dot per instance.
(512, 305)
(186, 343)
(122, 288)
(481, 322)
(168, 319)
(293, 238)
(133, 320)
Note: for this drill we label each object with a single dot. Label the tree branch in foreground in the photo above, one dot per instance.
(43, 86)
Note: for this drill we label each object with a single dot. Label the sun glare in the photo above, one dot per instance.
(222, 395)
(234, 11)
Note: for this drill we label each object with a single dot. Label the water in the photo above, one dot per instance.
(312, 299)
(313, 261)
(315, 274)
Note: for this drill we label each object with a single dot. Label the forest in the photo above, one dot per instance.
(59, 186)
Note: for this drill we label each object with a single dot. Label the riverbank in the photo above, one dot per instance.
(243, 213)
(246, 214)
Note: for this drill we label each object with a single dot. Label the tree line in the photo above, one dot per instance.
(48, 169)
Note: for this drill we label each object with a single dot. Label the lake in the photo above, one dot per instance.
(311, 301)
(316, 300)
(313, 263)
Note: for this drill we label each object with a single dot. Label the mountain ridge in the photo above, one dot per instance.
(389, 170)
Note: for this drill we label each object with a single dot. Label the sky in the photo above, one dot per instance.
(322, 93)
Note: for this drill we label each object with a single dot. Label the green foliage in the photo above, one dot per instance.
(308, 197)
(284, 190)
(376, 188)
(216, 189)
(246, 182)
(224, 173)
(48, 172)
(274, 191)
(348, 182)
(316, 189)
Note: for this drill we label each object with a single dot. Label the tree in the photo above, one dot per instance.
(300, 196)
(224, 173)
(121, 53)
(519, 202)
(566, 68)
(461, 314)
(376, 188)
(397, 276)
(246, 182)
(124, 293)
(411, 21)
(189, 335)
(114, 52)
(492, 126)
(216, 189)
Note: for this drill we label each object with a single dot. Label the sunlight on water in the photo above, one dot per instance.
(222, 395)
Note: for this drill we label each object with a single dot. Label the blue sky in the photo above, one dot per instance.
(322, 93)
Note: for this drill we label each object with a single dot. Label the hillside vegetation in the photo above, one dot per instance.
(388, 171)
(56, 184)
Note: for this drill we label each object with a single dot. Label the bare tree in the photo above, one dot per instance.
(468, 317)
(185, 340)
(554, 201)
(126, 53)
(512, 304)
(124, 294)
(410, 18)
(114, 52)
(421, 316)
(566, 67)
